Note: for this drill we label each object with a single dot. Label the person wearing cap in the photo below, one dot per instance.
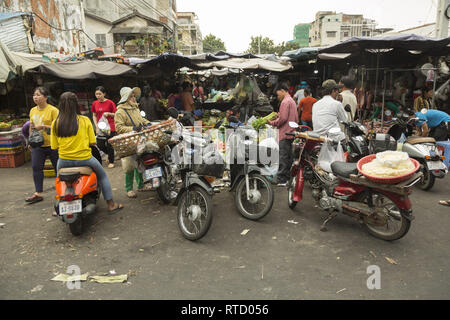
(288, 113)
(348, 98)
(328, 113)
(127, 119)
(300, 94)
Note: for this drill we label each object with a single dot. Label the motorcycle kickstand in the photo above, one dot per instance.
(331, 216)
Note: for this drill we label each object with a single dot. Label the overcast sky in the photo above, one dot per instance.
(235, 21)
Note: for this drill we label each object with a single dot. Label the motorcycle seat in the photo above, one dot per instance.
(344, 169)
(417, 140)
(84, 171)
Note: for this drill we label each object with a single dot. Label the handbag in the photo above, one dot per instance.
(36, 139)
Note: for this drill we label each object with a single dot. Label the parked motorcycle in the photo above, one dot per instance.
(254, 194)
(385, 210)
(194, 200)
(77, 192)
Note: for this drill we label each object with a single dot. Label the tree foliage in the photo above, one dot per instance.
(266, 45)
(213, 44)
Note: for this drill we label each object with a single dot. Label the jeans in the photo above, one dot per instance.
(93, 163)
(129, 180)
(38, 156)
(284, 169)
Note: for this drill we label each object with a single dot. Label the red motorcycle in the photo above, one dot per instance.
(385, 210)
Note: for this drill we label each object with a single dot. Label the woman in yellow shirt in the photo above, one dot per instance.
(72, 135)
(41, 118)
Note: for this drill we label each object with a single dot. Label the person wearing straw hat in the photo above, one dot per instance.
(128, 118)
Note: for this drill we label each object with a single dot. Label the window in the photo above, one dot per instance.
(100, 39)
(345, 34)
(331, 34)
(180, 36)
(363, 33)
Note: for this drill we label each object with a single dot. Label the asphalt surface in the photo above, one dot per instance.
(284, 256)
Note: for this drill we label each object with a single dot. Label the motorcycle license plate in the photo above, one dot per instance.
(70, 207)
(435, 165)
(152, 173)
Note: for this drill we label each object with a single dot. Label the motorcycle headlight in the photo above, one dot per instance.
(363, 129)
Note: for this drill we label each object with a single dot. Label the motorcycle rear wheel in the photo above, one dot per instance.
(428, 180)
(194, 228)
(388, 210)
(76, 228)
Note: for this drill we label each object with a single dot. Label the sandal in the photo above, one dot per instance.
(131, 194)
(111, 165)
(118, 208)
(34, 199)
(445, 203)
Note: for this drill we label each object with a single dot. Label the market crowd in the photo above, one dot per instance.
(60, 132)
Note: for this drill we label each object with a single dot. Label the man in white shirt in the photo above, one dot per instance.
(328, 112)
(348, 98)
(300, 94)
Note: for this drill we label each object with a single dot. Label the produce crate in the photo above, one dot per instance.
(49, 173)
(11, 144)
(11, 150)
(12, 160)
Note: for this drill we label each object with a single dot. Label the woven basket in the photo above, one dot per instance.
(126, 144)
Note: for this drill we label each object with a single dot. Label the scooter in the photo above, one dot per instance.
(77, 192)
(423, 149)
(385, 210)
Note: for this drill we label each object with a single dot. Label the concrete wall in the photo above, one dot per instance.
(93, 27)
(63, 14)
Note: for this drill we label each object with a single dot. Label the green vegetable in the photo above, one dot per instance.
(261, 122)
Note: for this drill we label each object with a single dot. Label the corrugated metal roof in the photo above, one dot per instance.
(9, 15)
(13, 33)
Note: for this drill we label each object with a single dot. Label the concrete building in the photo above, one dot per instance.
(301, 34)
(330, 28)
(134, 26)
(55, 24)
(189, 39)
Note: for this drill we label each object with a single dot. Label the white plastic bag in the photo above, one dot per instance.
(105, 129)
(328, 155)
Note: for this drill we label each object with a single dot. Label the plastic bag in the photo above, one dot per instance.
(129, 164)
(105, 129)
(328, 155)
(36, 139)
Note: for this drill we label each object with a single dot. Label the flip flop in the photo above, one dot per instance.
(34, 199)
(145, 189)
(131, 194)
(445, 203)
(118, 208)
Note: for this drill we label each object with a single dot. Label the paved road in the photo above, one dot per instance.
(274, 260)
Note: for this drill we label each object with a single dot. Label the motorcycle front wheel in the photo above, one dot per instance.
(388, 224)
(291, 189)
(261, 197)
(195, 217)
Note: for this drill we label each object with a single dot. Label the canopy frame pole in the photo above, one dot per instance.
(384, 94)
(433, 106)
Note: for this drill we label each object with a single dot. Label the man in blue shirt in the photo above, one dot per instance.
(434, 123)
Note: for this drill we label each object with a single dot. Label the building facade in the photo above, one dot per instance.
(301, 34)
(139, 28)
(190, 40)
(55, 24)
(330, 28)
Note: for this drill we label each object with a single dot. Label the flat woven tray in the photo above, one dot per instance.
(126, 144)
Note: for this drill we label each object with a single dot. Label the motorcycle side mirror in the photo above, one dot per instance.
(348, 108)
(293, 125)
(102, 125)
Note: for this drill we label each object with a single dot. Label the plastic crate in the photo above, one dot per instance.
(49, 173)
(12, 160)
(11, 144)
